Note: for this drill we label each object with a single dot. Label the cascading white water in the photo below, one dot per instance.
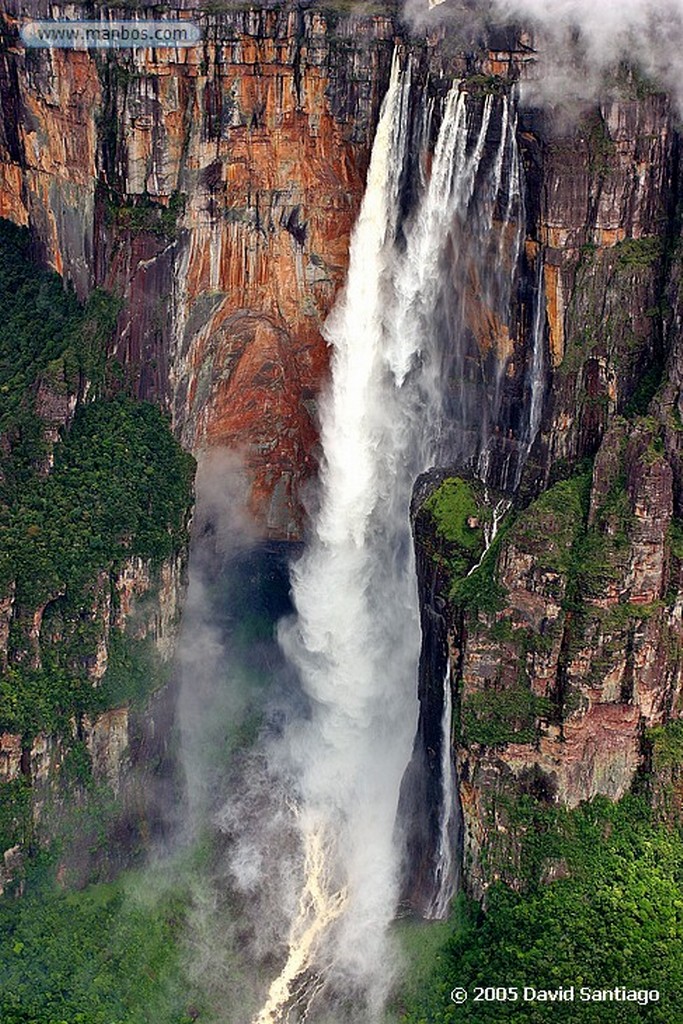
(445, 869)
(448, 193)
(355, 640)
(537, 372)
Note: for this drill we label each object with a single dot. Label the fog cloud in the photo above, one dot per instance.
(576, 40)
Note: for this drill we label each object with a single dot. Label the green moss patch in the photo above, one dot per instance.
(639, 252)
(460, 514)
(145, 214)
(550, 526)
(497, 717)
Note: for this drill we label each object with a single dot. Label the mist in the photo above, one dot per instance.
(577, 41)
(214, 695)
(307, 867)
(234, 685)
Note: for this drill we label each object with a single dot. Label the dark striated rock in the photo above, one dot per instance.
(603, 203)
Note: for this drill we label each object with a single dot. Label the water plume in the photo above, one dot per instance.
(355, 639)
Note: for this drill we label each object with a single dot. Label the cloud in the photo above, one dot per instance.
(577, 40)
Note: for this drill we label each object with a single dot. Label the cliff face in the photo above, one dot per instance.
(579, 650)
(109, 759)
(604, 197)
(95, 496)
(214, 189)
(565, 643)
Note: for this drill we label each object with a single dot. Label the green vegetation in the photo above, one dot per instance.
(646, 389)
(481, 591)
(549, 528)
(46, 337)
(459, 518)
(675, 544)
(143, 213)
(421, 943)
(459, 513)
(119, 487)
(554, 529)
(451, 505)
(601, 148)
(49, 698)
(579, 561)
(600, 323)
(15, 810)
(485, 85)
(614, 916)
(110, 954)
(496, 717)
(631, 83)
(667, 746)
(639, 252)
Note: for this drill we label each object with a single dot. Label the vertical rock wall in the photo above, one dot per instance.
(214, 189)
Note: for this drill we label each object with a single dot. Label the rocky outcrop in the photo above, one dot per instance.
(565, 645)
(602, 198)
(215, 189)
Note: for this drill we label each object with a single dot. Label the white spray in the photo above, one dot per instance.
(356, 637)
(355, 640)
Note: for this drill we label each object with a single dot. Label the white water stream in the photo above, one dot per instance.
(355, 640)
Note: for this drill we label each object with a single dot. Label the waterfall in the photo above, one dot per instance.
(537, 371)
(355, 639)
(448, 193)
(491, 529)
(445, 867)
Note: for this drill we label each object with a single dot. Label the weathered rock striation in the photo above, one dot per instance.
(214, 191)
(565, 644)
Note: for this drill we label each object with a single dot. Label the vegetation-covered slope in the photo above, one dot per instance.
(91, 481)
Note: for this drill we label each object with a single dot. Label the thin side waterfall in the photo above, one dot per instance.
(355, 639)
(535, 386)
(491, 529)
(445, 872)
(460, 300)
(538, 367)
